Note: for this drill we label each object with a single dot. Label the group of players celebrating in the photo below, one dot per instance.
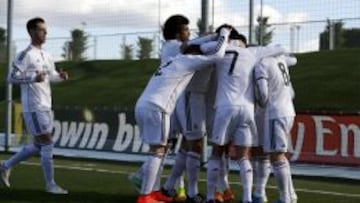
(239, 96)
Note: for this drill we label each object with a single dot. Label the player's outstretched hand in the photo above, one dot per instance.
(40, 76)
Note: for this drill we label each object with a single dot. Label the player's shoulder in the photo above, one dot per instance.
(20, 57)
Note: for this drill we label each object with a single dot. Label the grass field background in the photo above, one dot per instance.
(106, 182)
(323, 81)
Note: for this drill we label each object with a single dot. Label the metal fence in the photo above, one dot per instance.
(295, 24)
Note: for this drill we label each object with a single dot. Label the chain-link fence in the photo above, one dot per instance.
(109, 27)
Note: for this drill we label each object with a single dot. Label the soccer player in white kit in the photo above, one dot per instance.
(34, 70)
(275, 94)
(176, 33)
(190, 111)
(234, 115)
(157, 102)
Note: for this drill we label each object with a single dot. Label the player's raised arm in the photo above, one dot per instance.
(261, 85)
(217, 48)
(267, 51)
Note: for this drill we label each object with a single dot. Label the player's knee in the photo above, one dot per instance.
(184, 145)
(46, 151)
(44, 139)
(243, 152)
(196, 146)
(218, 150)
(257, 152)
(277, 156)
(158, 150)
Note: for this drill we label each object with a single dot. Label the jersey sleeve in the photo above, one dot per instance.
(268, 51)
(217, 48)
(261, 84)
(19, 72)
(53, 74)
(201, 40)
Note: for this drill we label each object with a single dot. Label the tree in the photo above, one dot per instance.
(74, 50)
(351, 37)
(338, 35)
(2, 45)
(145, 48)
(201, 27)
(262, 34)
(127, 51)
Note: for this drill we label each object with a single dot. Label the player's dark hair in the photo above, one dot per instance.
(240, 37)
(192, 49)
(234, 34)
(32, 23)
(173, 25)
(223, 26)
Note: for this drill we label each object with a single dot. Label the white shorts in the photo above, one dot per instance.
(39, 122)
(233, 124)
(276, 133)
(154, 125)
(191, 112)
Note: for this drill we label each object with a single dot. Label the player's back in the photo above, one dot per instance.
(170, 80)
(235, 76)
(280, 89)
(170, 49)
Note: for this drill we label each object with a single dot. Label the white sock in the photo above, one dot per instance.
(262, 173)
(223, 174)
(157, 184)
(180, 182)
(192, 169)
(282, 174)
(151, 171)
(25, 153)
(246, 174)
(212, 176)
(177, 170)
(292, 191)
(46, 153)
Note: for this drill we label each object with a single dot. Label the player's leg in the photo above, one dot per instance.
(154, 129)
(276, 145)
(44, 140)
(169, 187)
(26, 152)
(195, 131)
(193, 162)
(212, 174)
(262, 170)
(242, 140)
(219, 139)
(224, 192)
(260, 160)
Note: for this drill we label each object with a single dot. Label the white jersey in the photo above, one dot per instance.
(261, 52)
(235, 78)
(279, 89)
(170, 49)
(171, 79)
(35, 96)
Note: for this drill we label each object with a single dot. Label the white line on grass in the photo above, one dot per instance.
(80, 168)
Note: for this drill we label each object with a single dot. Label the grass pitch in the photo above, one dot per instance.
(106, 182)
